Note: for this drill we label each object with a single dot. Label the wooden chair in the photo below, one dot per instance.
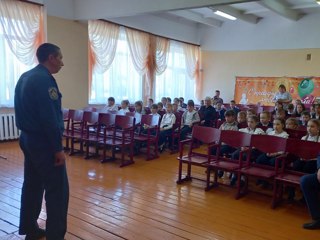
(265, 144)
(89, 109)
(76, 124)
(122, 137)
(236, 140)
(66, 120)
(150, 135)
(209, 137)
(286, 176)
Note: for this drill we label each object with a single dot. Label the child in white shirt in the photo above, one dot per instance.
(166, 124)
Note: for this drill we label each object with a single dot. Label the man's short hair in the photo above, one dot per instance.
(111, 99)
(154, 106)
(190, 103)
(45, 50)
(230, 113)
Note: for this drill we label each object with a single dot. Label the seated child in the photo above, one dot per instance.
(281, 114)
(229, 124)
(270, 158)
(316, 114)
(292, 123)
(313, 135)
(189, 118)
(220, 111)
(265, 123)
(234, 107)
(242, 119)
(166, 124)
(305, 117)
(124, 107)
(290, 109)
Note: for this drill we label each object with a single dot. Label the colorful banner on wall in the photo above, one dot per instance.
(253, 90)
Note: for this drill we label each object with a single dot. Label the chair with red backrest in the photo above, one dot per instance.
(197, 156)
(242, 125)
(233, 139)
(175, 134)
(268, 108)
(131, 114)
(90, 131)
(122, 137)
(296, 133)
(76, 127)
(265, 144)
(285, 176)
(89, 109)
(79, 131)
(150, 135)
(147, 110)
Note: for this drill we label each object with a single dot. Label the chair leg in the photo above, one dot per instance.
(179, 181)
(208, 187)
(275, 196)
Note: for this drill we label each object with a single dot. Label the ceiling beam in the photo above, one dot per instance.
(95, 9)
(187, 14)
(250, 18)
(282, 9)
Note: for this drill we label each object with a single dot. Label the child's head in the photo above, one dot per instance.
(305, 116)
(230, 116)
(300, 108)
(265, 117)
(160, 106)
(313, 127)
(219, 105)
(154, 108)
(111, 101)
(297, 101)
(168, 99)
(290, 107)
(176, 101)
(164, 101)
(251, 112)
(190, 105)
(181, 99)
(138, 106)
(278, 125)
(292, 123)
(252, 121)
(150, 101)
(232, 103)
(124, 104)
(175, 107)
(281, 113)
(241, 117)
(169, 108)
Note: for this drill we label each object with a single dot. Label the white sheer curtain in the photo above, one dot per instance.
(192, 56)
(121, 80)
(175, 80)
(21, 32)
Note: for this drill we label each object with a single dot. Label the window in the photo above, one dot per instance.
(175, 81)
(10, 70)
(120, 81)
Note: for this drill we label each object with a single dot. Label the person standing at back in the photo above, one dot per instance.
(39, 117)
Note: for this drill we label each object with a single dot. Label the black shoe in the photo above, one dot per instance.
(40, 233)
(313, 225)
(233, 181)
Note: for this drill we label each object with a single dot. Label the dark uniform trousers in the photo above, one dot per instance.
(310, 187)
(40, 175)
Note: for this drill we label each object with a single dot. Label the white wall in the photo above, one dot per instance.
(268, 34)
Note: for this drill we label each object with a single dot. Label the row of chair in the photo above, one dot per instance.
(118, 132)
(281, 174)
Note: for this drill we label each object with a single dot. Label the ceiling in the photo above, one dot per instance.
(196, 11)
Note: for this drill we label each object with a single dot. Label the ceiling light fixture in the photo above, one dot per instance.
(318, 1)
(225, 15)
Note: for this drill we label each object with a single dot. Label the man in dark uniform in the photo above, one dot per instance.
(39, 117)
(310, 186)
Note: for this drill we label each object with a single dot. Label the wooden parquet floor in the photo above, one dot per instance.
(143, 201)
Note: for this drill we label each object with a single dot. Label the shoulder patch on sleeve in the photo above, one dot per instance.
(53, 93)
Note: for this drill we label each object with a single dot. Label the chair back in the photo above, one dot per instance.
(131, 114)
(296, 133)
(302, 148)
(65, 113)
(76, 115)
(147, 110)
(107, 119)
(124, 122)
(235, 139)
(90, 109)
(90, 117)
(206, 134)
(150, 120)
(268, 144)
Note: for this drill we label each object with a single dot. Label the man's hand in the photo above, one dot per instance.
(318, 175)
(59, 158)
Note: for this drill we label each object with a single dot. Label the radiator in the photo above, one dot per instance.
(8, 129)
